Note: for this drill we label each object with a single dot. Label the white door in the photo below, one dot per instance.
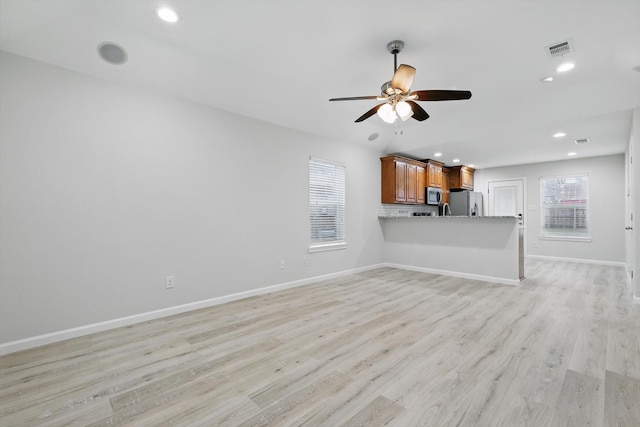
(506, 198)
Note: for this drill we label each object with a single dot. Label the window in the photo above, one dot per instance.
(326, 205)
(564, 202)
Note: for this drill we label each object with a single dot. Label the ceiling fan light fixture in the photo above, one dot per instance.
(404, 110)
(387, 113)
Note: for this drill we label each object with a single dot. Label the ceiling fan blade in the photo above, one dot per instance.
(369, 113)
(403, 78)
(354, 98)
(441, 95)
(418, 112)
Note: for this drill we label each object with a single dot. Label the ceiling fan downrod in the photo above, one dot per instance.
(395, 47)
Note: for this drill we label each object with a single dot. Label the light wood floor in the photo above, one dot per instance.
(385, 347)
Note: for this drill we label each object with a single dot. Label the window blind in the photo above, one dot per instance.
(565, 206)
(326, 204)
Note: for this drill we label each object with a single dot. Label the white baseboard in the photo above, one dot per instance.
(37, 341)
(502, 281)
(578, 260)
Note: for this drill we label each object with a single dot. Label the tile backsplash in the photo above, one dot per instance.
(395, 211)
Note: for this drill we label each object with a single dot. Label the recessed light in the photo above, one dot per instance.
(573, 153)
(437, 154)
(565, 67)
(547, 79)
(167, 15)
(456, 160)
(559, 134)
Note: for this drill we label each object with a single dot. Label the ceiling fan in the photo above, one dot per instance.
(398, 102)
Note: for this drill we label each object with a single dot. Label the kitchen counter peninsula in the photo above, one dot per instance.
(448, 217)
(485, 248)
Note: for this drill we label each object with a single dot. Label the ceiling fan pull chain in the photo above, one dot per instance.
(395, 125)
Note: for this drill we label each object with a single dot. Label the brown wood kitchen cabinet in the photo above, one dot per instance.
(445, 185)
(461, 178)
(403, 180)
(434, 173)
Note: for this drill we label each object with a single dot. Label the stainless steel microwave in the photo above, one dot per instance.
(433, 196)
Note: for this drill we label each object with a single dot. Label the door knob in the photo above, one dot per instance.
(628, 228)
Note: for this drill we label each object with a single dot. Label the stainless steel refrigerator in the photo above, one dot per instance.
(467, 203)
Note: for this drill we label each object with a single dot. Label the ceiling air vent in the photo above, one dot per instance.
(582, 141)
(560, 48)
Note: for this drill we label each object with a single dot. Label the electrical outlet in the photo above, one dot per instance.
(282, 263)
(170, 282)
(304, 261)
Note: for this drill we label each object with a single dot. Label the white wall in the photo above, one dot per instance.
(107, 189)
(606, 206)
(475, 248)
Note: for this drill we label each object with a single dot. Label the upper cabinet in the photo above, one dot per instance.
(434, 173)
(403, 180)
(461, 178)
(445, 185)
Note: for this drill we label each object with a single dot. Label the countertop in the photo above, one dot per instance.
(449, 217)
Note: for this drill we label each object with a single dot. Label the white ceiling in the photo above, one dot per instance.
(281, 60)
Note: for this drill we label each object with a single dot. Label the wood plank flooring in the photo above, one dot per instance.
(383, 347)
